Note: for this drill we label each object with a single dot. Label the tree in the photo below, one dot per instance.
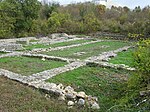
(101, 9)
(146, 30)
(56, 21)
(137, 9)
(91, 23)
(29, 9)
(47, 9)
(142, 60)
(126, 9)
(6, 20)
(24, 12)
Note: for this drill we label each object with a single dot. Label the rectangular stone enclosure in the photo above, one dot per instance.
(28, 65)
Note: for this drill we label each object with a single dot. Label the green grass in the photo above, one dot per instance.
(34, 40)
(104, 83)
(125, 57)
(16, 97)
(30, 47)
(28, 65)
(89, 49)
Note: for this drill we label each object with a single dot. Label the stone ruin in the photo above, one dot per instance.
(10, 47)
(57, 35)
(108, 35)
(62, 35)
(55, 38)
(7, 41)
(23, 41)
(38, 80)
(75, 98)
(14, 44)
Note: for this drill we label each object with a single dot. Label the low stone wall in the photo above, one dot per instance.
(11, 54)
(53, 72)
(63, 47)
(6, 41)
(57, 35)
(110, 65)
(44, 57)
(24, 42)
(37, 80)
(105, 56)
(108, 35)
(63, 93)
(48, 41)
(13, 76)
(10, 47)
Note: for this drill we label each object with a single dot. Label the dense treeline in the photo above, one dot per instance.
(19, 18)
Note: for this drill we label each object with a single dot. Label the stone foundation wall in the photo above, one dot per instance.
(6, 41)
(10, 47)
(108, 35)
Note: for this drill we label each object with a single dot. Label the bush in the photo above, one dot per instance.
(39, 27)
(56, 21)
(91, 23)
(142, 58)
(139, 80)
(133, 36)
(72, 27)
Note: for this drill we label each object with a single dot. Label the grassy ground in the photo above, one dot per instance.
(30, 47)
(90, 49)
(34, 40)
(104, 83)
(124, 58)
(15, 97)
(28, 65)
(109, 85)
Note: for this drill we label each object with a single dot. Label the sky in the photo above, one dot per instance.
(129, 3)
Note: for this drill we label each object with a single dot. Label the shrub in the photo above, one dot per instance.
(134, 36)
(139, 80)
(142, 59)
